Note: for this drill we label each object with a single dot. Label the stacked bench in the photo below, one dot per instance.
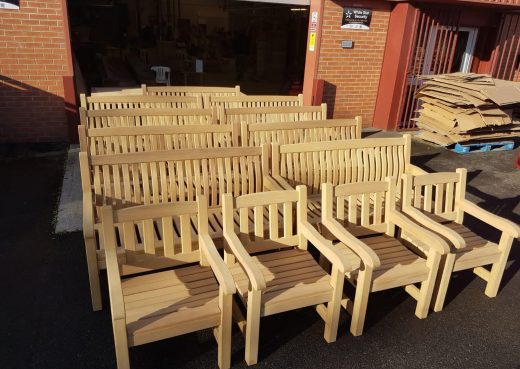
(263, 184)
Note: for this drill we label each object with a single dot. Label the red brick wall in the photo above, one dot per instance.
(33, 61)
(352, 75)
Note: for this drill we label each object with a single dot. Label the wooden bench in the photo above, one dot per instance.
(438, 202)
(118, 140)
(110, 118)
(385, 259)
(125, 180)
(256, 134)
(251, 101)
(274, 272)
(272, 115)
(198, 91)
(165, 303)
(97, 102)
(340, 162)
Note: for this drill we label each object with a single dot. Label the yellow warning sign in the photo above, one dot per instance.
(312, 41)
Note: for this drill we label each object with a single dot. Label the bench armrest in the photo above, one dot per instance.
(416, 171)
(456, 240)
(493, 220)
(250, 267)
(222, 273)
(420, 233)
(326, 248)
(88, 216)
(365, 253)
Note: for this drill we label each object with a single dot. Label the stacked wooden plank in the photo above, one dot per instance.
(462, 107)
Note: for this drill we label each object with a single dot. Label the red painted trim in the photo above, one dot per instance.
(69, 88)
(395, 63)
(312, 57)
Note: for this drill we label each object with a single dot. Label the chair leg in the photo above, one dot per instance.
(93, 274)
(334, 306)
(363, 287)
(224, 331)
(252, 326)
(426, 291)
(443, 280)
(497, 270)
(121, 344)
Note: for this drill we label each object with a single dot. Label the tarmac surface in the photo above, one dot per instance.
(47, 321)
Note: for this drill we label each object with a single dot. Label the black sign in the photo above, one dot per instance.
(356, 18)
(9, 4)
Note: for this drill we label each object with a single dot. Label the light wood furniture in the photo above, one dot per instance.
(146, 117)
(397, 253)
(438, 202)
(272, 114)
(124, 180)
(97, 102)
(273, 271)
(256, 134)
(167, 303)
(252, 101)
(340, 162)
(202, 92)
(118, 140)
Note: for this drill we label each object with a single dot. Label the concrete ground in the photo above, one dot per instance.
(47, 322)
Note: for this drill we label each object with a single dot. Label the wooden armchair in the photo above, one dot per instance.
(437, 201)
(273, 271)
(397, 252)
(165, 303)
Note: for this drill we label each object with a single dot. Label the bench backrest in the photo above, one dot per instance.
(202, 92)
(145, 117)
(256, 134)
(123, 180)
(251, 101)
(97, 102)
(340, 162)
(118, 140)
(272, 114)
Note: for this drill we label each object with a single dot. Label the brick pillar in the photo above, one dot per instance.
(395, 64)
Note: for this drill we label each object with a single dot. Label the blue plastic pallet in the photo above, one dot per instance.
(484, 147)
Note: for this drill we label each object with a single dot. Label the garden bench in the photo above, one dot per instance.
(145, 117)
(438, 202)
(252, 101)
(340, 162)
(124, 180)
(118, 140)
(256, 134)
(202, 92)
(273, 271)
(165, 303)
(385, 259)
(272, 114)
(97, 102)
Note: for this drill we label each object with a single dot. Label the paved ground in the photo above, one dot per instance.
(46, 321)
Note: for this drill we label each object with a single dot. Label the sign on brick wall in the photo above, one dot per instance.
(10, 4)
(356, 18)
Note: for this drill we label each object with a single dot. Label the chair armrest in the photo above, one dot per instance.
(222, 273)
(416, 171)
(250, 267)
(326, 248)
(282, 182)
(117, 304)
(271, 185)
(494, 220)
(365, 253)
(88, 216)
(455, 238)
(415, 230)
